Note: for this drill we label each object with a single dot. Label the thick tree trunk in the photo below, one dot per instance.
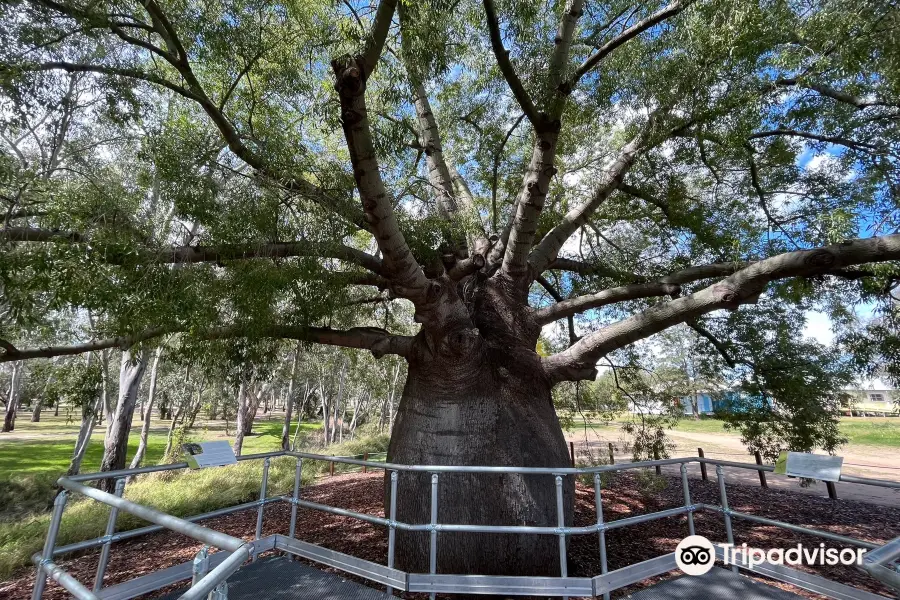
(484, 414)
(476, 394)
(148, 412)
(12, 399)
(119, 423)
(481, 397)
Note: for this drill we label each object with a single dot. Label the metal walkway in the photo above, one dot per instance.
(718, 584)
(278, 578)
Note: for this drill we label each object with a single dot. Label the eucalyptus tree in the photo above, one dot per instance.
(492, 166)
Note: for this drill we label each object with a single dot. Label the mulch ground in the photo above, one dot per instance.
(621, 498)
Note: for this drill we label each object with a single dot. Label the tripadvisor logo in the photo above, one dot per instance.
(695, 555)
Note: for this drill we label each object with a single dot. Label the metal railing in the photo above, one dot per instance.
(878, 563)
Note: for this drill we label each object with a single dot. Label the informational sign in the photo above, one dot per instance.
(209, 454)
(810, 466)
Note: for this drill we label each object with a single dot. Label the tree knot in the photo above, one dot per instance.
(821, 258)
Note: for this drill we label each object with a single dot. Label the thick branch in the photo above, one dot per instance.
(506, 67)
(583, 268)
(430, 138)
(745, 286)
(377, 341)
(378, 34)
(199, 254)
(400, 264)
(541, 168)
(546, 251)
(573, 306)
(627, 35)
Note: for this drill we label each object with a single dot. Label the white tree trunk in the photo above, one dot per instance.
(88, 420)
(148, 412)
(118, 426)
(289, 404)
(12, 399)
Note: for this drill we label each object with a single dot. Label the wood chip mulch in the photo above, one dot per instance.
(621, 498)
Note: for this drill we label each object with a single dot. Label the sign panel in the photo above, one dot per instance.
(209, 454)
(810, 466)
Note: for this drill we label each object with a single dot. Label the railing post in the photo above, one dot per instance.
(110, 529)
(687, 498)
(392, 531)
(762, 474)
(561, 523)
(612, 457)
(298, 475)
(702, 465)
(720, 475)
(601, 533)
(220, 592)
(366, 458)
(832, 490)
(572, 453)
(59, 506)
(432, 563)
(331, 468)
(263, 488)
(656, 457)
(200, 565)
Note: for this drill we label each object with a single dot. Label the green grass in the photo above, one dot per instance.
(872, 431)
(859, 431)
(29, 469)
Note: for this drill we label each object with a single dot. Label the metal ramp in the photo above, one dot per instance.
(718, 584)
(279, 578)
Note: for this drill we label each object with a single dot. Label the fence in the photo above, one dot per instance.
(234, 552)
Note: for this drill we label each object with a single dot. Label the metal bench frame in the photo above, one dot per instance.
(879, 563)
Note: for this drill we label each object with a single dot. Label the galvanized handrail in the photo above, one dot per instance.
(240, 551)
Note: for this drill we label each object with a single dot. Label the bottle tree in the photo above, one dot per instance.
(235, 170)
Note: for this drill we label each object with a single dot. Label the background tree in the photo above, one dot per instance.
(485, 168)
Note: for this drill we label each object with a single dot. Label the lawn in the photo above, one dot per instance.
(29, 469)
(859, 431)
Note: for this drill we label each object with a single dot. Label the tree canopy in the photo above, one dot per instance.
(314, 170)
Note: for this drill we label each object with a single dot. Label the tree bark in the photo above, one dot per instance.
(481, 398)
(12, 401)
(289, 404)
(483, 413)
(148, 412)
(119, 423)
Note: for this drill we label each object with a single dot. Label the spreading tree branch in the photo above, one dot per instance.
(573, 306)
(744, 286)
(201, 254)
(627, 35)
(548, 248)
(835, 94)
(378, 341)
(506, 66)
